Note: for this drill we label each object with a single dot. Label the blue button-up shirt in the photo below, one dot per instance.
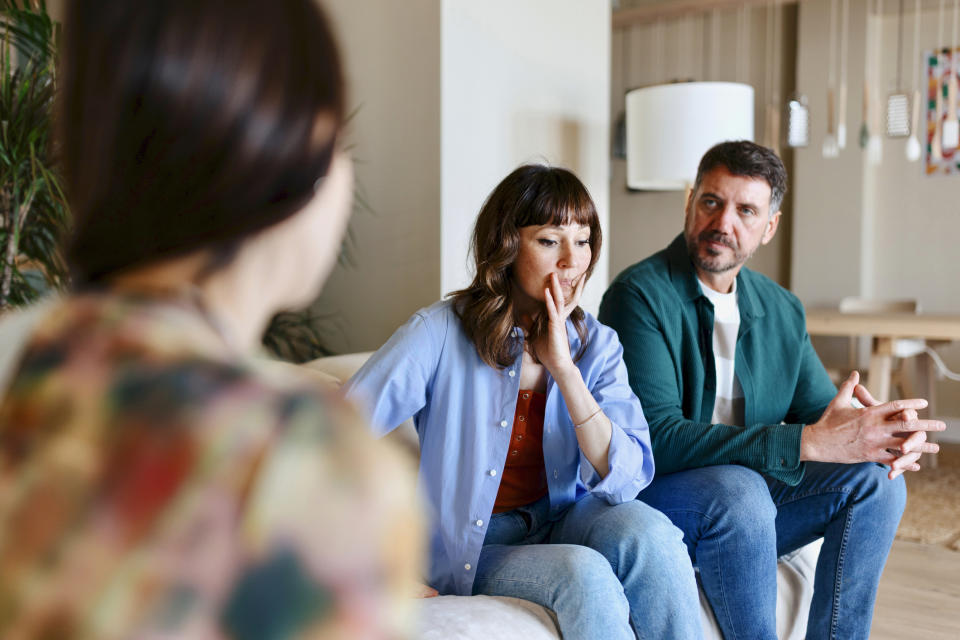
(463, 410)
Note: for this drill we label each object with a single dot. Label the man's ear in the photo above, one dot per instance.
(772, 223)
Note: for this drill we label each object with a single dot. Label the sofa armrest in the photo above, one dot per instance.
(340, 368)
(476, 617)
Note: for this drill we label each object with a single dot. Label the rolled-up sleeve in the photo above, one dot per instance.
(393, 384)
(630, 457)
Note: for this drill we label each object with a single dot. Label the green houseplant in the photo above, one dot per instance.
(33, 210)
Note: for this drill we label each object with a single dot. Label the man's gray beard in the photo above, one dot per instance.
(713, 264)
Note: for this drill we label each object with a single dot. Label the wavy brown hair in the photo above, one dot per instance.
(530, 195)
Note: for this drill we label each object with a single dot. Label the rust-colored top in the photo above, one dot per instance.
(524, 479)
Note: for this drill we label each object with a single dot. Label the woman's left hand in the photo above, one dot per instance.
(553, 350)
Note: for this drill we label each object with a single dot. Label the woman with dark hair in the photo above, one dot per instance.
(155, 480)
(532, 445)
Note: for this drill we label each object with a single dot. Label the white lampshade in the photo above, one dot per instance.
(671, 126)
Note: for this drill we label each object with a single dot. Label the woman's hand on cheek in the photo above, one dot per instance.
(554, 350)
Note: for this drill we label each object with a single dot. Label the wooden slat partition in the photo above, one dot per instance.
(677, 8)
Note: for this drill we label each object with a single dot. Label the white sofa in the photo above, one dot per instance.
(486, 617)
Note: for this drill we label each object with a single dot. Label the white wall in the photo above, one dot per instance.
(453, 95)
(522, 82)
(392, 56)
(830, 248)
(917, 217)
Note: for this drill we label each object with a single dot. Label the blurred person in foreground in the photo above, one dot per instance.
(155, 481)
(532, 444)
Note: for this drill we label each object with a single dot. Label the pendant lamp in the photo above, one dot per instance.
(670, 127)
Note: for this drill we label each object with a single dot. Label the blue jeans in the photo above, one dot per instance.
(736, 522)
(606, 571)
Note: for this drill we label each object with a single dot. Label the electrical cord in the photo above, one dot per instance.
(941, 366)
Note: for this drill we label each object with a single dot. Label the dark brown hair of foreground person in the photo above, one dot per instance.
(530, 195)
(178, 128)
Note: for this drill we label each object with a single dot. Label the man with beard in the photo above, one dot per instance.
(757, 453)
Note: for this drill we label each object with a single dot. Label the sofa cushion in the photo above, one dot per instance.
(466, 618)
(341, 368)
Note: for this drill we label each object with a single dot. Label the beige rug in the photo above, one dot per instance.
(932, 515)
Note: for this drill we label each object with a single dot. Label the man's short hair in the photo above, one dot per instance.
(745, 158)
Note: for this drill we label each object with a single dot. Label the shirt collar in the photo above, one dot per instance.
(684, 279)
(572, 335)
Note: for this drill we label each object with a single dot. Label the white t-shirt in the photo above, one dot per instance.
(728, 406)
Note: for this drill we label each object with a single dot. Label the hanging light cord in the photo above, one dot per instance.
(777, 29)
(844, 32)
(953, 41)
(916, 42)
(941, 366)
(832, 55)
(940, 31)
(900, 43)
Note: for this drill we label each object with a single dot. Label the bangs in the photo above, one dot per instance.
(560, 199)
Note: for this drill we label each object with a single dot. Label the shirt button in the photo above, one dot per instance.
(523, 419)
(519, 436)
(514, 452)
(503, 423)
(479, 523)
(492, 472)
(782, 462)
(556, 474)
(526, 395)
(467, 566)
(511, 373)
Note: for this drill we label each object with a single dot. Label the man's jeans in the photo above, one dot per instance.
(736, 522)
(606, 571)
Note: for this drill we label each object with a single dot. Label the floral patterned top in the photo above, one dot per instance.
(153, 485)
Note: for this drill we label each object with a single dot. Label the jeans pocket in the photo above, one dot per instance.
(509, 527)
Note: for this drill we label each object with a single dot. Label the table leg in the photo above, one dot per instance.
(878, 377)
(927, 388)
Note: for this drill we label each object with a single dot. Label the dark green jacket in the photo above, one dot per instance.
(666, 326)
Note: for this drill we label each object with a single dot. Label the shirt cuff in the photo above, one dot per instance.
(783, 452)
(628, 471)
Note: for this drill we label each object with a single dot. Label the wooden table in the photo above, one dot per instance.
(884, 328)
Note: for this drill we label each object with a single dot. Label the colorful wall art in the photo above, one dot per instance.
(941, 100)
